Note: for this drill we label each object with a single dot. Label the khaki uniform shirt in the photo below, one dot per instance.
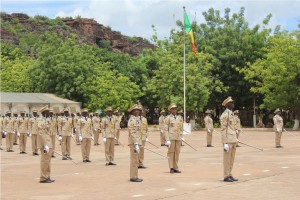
(66, 126)
(86, 128)
(53, 126)
(236, 122)
(278, 123)
(44, 133)
(23, 124)
(96, 123)
(144, 128)
(227, 127)
(134, 130)
(161, 123)
(33, 125)
(9, 124)
(209, 124)
(173, 127)
(118, 124)
(109, 126)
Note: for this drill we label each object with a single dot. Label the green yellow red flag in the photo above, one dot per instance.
(188, 29)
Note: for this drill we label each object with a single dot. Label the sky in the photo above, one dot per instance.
(136, 17)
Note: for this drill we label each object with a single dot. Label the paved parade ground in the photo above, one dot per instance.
(270, 174)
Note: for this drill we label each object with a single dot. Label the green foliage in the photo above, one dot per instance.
(277, 75)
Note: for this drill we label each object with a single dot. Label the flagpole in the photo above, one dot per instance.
(184, 63)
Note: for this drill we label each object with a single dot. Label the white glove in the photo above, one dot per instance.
(75, 129)
(46, 149)
(226, 147)
(237, 131)
(29, 134)
(104, 140)
(162, 131)
(92, 137)
(278, 130)
(182, 139)
(168, 143)
(136, 147)
(80, 138)
(95, 129)
(18, 134)
(208, 130)
(60, 138)
(5, 133)
(147, 140)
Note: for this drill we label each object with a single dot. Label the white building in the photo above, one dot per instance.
(17, 102)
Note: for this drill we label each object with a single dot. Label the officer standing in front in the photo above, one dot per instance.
(229, 139)
(10, 131)
(66, 130)
(45, 145)
(86, 130)
(174, 137)
(22, 124)
(209, 126)
(134, 141)
(108, 126)
(278, 127)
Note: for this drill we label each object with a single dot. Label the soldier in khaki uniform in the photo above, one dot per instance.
(278, 127)
(162, 127)
(65, 129)
(17, 134)
(9, 123)
(237, 125)
(23, 124)
(118, 125)
(97, 128)
(1, 130)
(33, 131)
(86, 130)
(134, 141)
(144, 133)
(229, 139)
(53, 130)
(77, 124)
(209, 126)
(45, 145)
(109, 135)
(174, 136)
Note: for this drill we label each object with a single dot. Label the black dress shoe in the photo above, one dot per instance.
(88, 161)
(209, 145)
(64, 158)
(110, 163)
(1, 149)
(136, 180)
(162, 145)
(35, 154)
(106, 164)
(279, 146)
(46, 181)
(228, 179)
(15, 144)
(142, 167)
(53, 156)
(10, 150)
(177, 171)
(172, 171)
(232, 178)
(52, 180)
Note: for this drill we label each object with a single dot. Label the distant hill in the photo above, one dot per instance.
(89, 31)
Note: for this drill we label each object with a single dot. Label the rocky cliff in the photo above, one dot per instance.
(90, 31)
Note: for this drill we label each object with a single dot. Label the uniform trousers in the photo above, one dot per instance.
(228, 159)
(134, 162)
(66, 146)
(34, 143)
(141, 154)
(86, 148)
(9, 141)
(110, 149)
(173, 153)
(22, 142)
(45, 164)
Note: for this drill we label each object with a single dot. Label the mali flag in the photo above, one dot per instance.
(188, 29)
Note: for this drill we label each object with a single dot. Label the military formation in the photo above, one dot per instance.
(85, 128)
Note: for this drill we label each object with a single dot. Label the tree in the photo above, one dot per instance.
(277, 75)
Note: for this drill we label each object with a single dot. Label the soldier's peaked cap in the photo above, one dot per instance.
(45, 108)
(173, 105)
(277, 110)
(134, 107)
(226, 101)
